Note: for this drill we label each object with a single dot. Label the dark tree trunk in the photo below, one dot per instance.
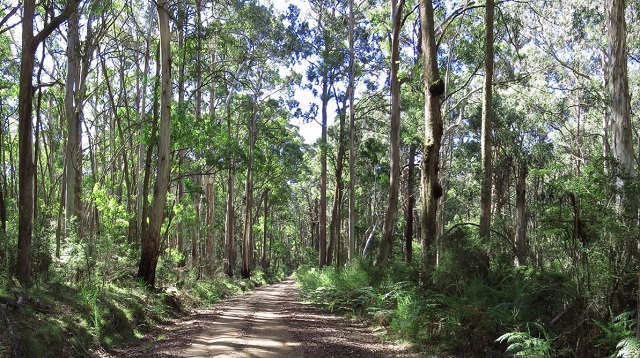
(148, 157)
(25, 146)
(3, 193)
(264, 262)
(388, 227)
(408, 213)
(229, 219)
(211, 212)
(3, 224)
(352, 130)
(521, 216)
(247, 240)
(487, 169)
(322, 238)
(336, 217)
(26, 167)
(431, 190)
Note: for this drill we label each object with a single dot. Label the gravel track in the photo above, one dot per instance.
(269, 321)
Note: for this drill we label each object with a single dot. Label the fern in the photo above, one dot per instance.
(628, 348)
(617, 333)
(523, 344)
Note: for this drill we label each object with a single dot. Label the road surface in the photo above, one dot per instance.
(267, 322)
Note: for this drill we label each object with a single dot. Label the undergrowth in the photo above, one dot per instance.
(511, 313)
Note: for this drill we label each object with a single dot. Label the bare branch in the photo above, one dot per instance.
(7, 17)
(55, 22)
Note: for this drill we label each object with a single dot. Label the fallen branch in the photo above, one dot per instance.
(24, 301)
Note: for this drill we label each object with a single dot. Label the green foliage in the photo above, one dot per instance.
(346, 290)
(618, 335)
(525, 344)
(461, 318)
(210, 292)
(628, 348)
(89, 297)
(170, 267)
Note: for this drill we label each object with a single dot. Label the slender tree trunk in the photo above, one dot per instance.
(198, 113)
(211, 246)
(333, 248)
(336, 216)
(3, 223)
(25, 146)
(179, 229)
(26, 167)
(3, 205)
(71, 150)
(36, 154)
(229, 219)
(195, 231)
(151, 243)
(264, 261)
(211, 212)
(3, 191)
(521, 215)
(3, 195)
(147, 167)
(13, 190)
(352, 154)
(388, 227)
(487, 171)
(247, 241)
(316, 225)
(180, 238)
(322, 239)
(75, 88)
(334, 224)
(606, 146)
(59, 225)
(408, 214)
(142, 113)
(431, 190)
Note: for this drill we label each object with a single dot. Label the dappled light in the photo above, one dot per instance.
(268, 322)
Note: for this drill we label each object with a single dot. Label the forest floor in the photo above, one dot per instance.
(269, 321)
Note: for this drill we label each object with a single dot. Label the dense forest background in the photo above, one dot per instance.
(471, 186)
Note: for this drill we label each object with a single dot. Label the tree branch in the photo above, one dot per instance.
(55, 22)
(9, 15)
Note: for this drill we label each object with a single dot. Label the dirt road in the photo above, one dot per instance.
(267, 322)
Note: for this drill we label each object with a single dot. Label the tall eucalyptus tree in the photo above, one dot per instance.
(352, 132)
(325, 71)
(622, 131)
(26, 170)
(431, 190)
(388, 227)
(151, 242)
(485, 212)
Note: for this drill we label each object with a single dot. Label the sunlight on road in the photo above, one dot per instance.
(253, 326)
